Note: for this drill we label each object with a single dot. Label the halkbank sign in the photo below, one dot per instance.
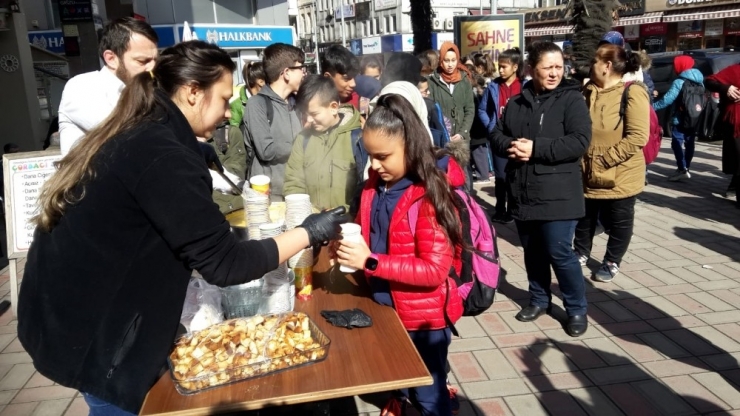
(241, 36)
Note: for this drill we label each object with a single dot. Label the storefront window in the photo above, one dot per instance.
(687, 44)
(713, 43)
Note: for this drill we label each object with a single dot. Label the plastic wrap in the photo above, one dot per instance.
(202, 307)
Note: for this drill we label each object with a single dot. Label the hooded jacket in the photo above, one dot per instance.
(102, 292)
(674, 92)
(417, 264)
(323, 165)
(273, 143)
(614, 165)
(489, 105)
(458, 106)
(548, 186)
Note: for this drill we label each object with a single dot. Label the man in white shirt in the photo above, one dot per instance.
(128, 47)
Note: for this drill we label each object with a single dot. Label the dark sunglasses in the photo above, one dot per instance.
(303, 67)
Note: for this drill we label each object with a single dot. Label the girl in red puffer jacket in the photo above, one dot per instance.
(405, 270)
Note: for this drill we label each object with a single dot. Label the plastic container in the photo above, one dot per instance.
(242, 300)
(221, 361)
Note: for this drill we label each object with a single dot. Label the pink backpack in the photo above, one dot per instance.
(652, 148)
(480, 271)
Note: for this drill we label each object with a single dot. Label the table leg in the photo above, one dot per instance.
(14, 286)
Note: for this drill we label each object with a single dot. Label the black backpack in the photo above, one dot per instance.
(693, 101)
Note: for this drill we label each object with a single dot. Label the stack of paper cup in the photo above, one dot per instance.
(270, 230)
(256, 211)
(297, 208)
(350, 232)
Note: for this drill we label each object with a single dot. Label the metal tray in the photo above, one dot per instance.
(225, 363)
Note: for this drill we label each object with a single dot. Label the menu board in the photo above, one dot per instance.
(24, 175)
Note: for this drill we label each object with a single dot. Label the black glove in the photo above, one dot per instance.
(348, 318)
(324, 226)
(210, 156)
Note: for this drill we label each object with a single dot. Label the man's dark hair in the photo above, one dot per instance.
(339, 60)
(116, 35)
(316, 86)
(11, 148)
(279, 56)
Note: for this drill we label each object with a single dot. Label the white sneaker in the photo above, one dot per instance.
(606, 272)
(680, 175)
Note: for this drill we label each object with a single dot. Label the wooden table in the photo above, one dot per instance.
(360, 361)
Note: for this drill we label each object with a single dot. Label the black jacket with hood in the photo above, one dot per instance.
(548, 186)
(102, 293)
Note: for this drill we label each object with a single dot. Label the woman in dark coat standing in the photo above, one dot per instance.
(727, 83)
(544, 132)
(123, 223)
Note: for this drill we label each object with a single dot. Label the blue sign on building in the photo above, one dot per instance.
(241, 37)
(51, 40)
(388, 43)
(166, 35)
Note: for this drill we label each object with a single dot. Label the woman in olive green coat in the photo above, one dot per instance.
(450, 87)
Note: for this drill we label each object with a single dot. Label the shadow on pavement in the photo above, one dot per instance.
(720, 243)
(621, 380)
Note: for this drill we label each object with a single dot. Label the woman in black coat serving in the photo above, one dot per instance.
(122, 224)
(544, 132)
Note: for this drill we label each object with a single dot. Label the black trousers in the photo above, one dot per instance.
(618, 216)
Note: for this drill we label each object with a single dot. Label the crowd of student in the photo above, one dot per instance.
(130, 212)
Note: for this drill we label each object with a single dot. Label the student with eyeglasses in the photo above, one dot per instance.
(270, 122)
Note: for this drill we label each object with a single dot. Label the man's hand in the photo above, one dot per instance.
(456, 138)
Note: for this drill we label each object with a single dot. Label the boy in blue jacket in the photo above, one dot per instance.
(490, 109)
(684, 67)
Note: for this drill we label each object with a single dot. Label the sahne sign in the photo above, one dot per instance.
(489, 34)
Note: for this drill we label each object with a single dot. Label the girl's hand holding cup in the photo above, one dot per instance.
(352, 251)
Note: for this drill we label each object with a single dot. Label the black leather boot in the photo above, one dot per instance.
(532, 312)
(577, 325)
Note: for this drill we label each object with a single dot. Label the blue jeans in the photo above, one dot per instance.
(679, 140)
(549, 243)
(101, 408)
(432, 400)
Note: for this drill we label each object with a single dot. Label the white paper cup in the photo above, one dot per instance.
(353, 233)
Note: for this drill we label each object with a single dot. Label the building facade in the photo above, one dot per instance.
(653, 25)
(381, 26)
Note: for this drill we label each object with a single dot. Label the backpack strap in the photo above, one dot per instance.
(270, 112)
(414, 215)
(623, 103)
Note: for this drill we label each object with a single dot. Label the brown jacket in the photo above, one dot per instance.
(614, 167)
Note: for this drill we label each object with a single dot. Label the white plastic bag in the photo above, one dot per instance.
(202, 307)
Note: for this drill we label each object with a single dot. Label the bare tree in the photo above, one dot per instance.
(591, 19)
(421, 24)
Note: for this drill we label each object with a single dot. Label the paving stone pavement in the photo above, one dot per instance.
(664, 336)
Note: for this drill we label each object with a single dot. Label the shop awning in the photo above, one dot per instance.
(643, 19)
(547, 30)
(703, 13)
